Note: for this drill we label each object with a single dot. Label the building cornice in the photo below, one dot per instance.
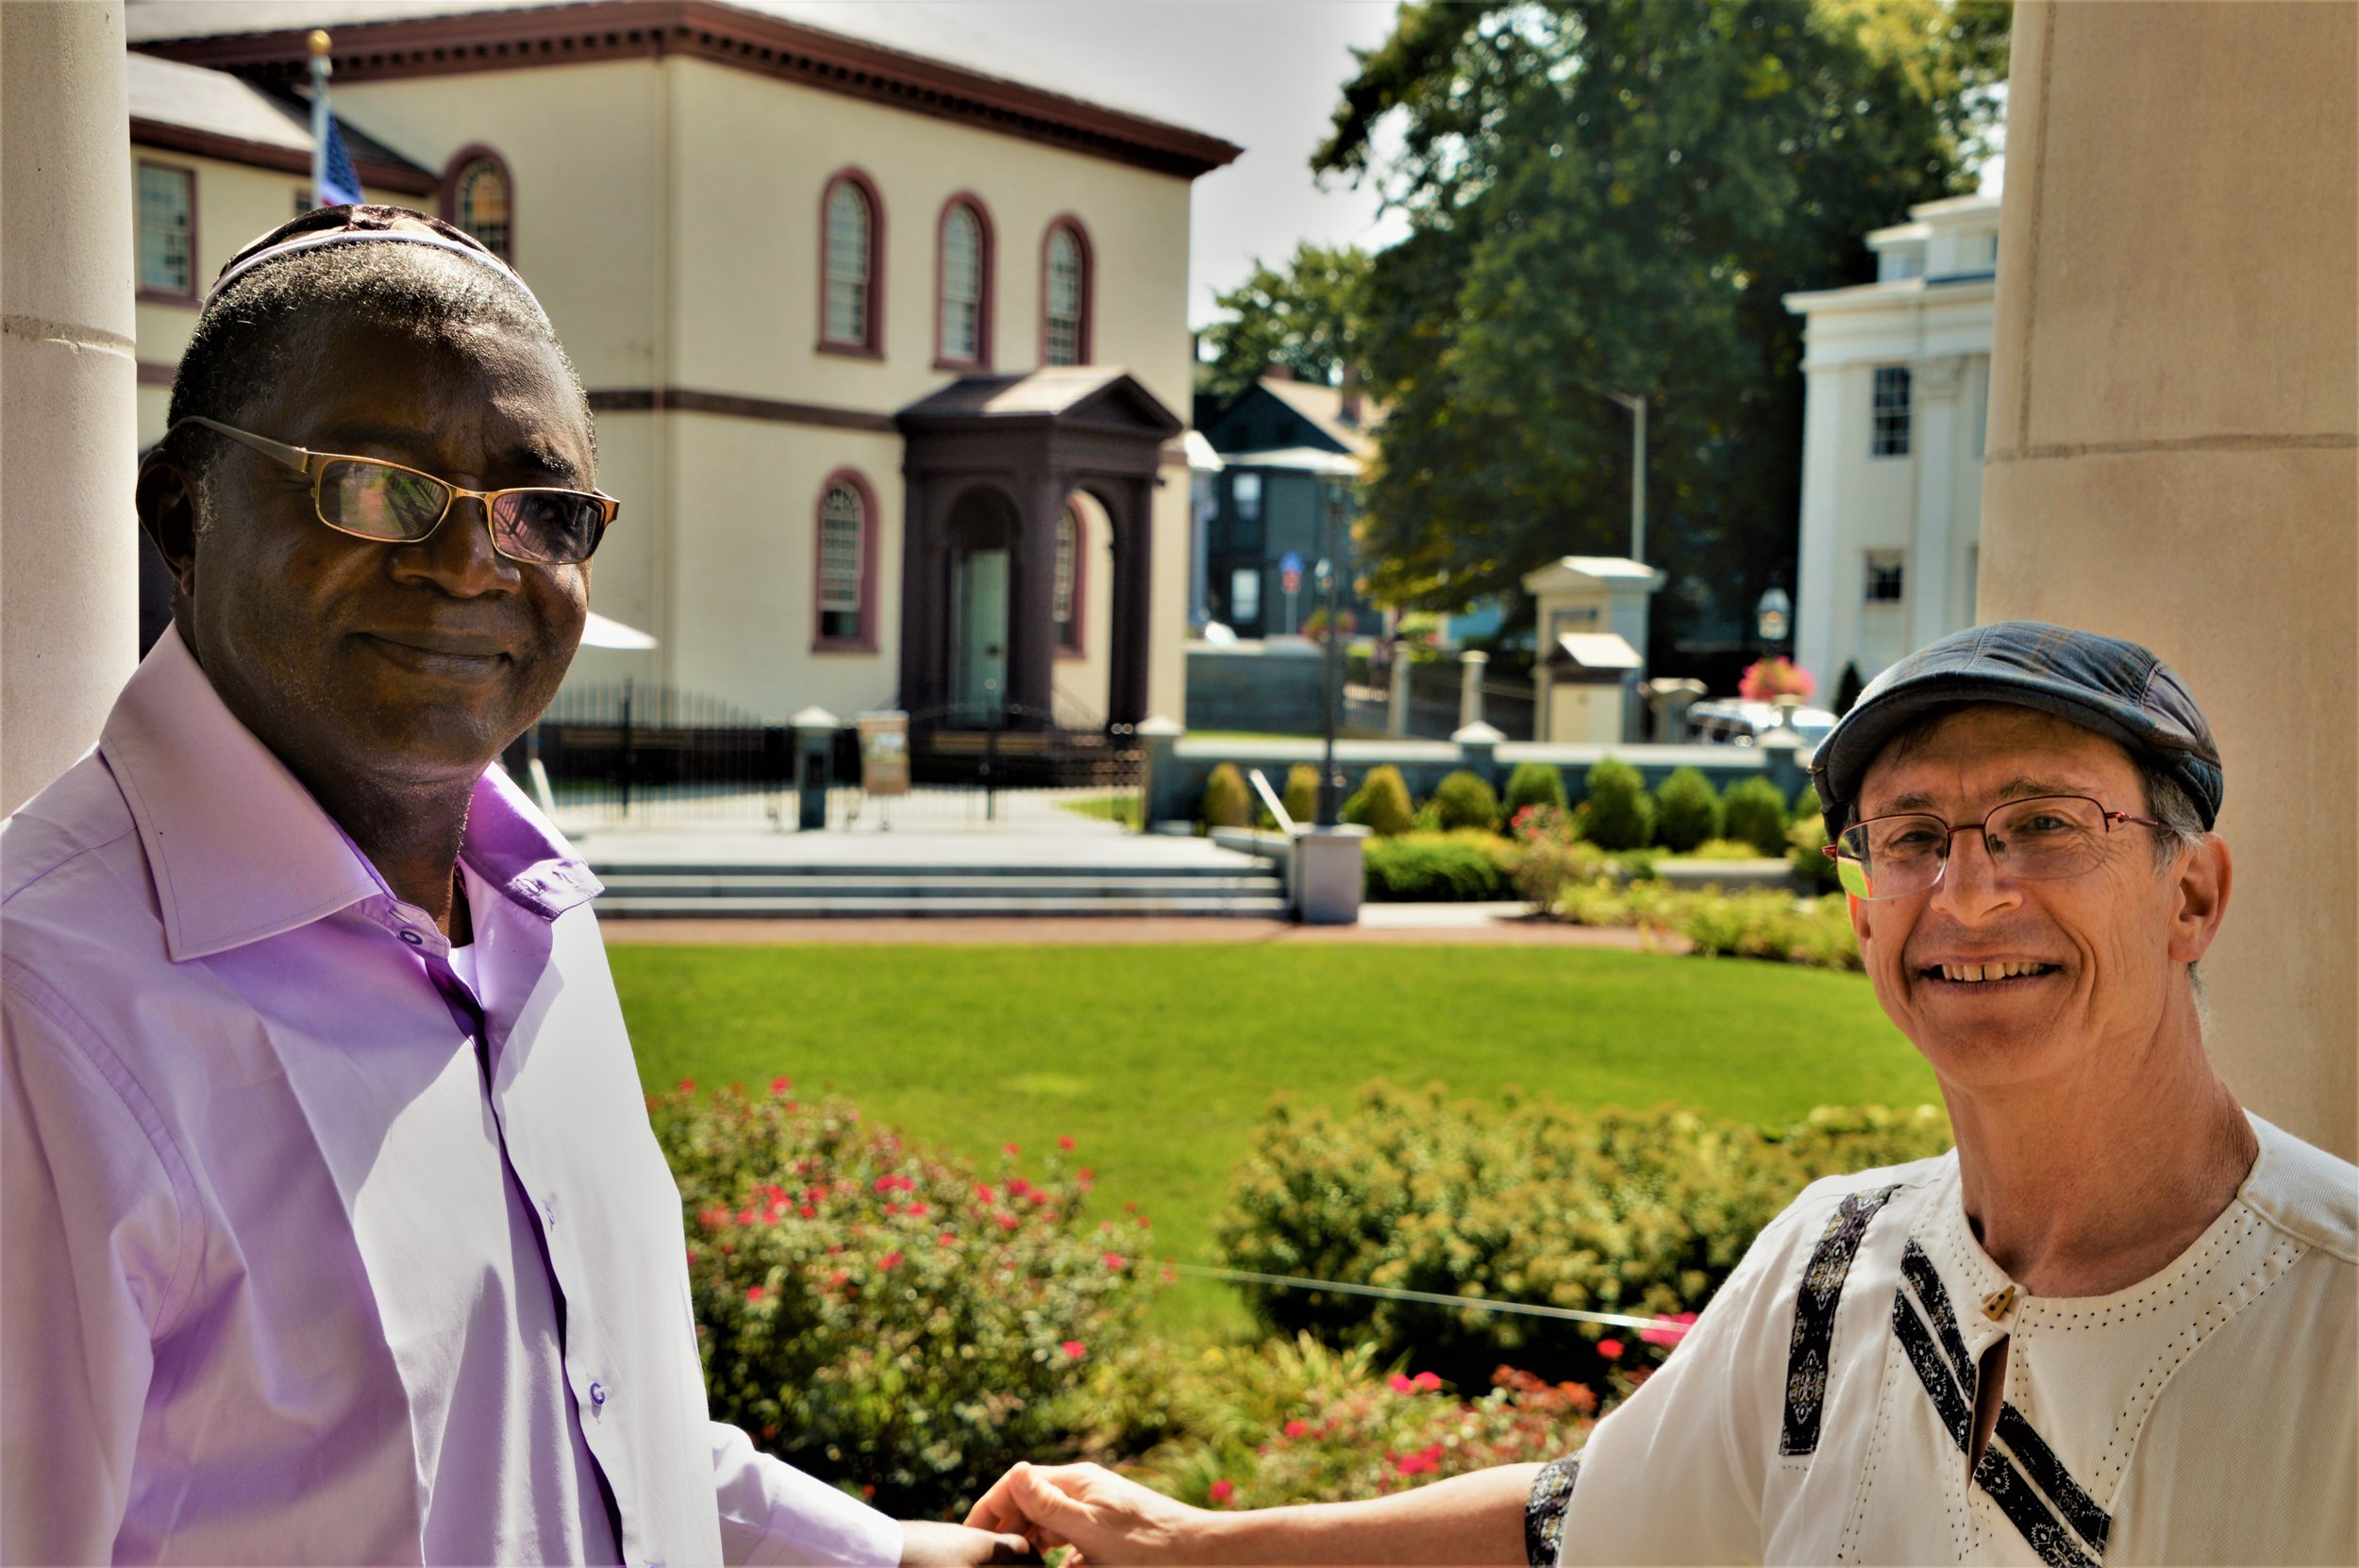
(166, 137)
(702, 29)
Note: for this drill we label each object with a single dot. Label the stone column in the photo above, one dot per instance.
(1934, 386)
(1397, 704)
(925, 599)
(69, 558)
(2170, 453)
(1543, 701)
(1032, 602)
(1131, 627)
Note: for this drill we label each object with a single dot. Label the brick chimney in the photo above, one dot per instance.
(1350, 409)
(1278, 373)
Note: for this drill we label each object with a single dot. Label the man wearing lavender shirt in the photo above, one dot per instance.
(335, 1229)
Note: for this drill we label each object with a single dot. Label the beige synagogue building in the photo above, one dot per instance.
(889, 350)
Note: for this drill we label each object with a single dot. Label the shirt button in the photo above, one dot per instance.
(414, 939)
(597, 1395)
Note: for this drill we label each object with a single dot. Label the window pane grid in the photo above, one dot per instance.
(1064, 298)
(1884, 579)
(1891, 413)
(165, 264)
(483, 204)
(961, 286)
(840, 530)
(848, 265)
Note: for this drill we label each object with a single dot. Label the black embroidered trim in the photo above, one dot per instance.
(2021, 1505)
(1808, 1355)
(1919, 1272)
(2048, 1473)
(1544, 1510)
(1957, 1413)
(1950, 1375)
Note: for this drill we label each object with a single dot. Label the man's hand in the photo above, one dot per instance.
(925, 1543)
(1113, 1521)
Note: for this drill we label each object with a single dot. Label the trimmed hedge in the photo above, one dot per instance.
(1301, 795)
(1526, 1200)
(1534, 784)
(1381, 803)
(1617, 814)
(1463, 867)
(1467, 800)
(1228, 799)
(1686, 811)
(1754, 810)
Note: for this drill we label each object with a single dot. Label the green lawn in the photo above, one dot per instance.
(1158, 1058)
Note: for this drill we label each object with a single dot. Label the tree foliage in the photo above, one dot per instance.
(1306, 318)
(1617, 194)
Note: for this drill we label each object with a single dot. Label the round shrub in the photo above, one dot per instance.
(1467, 800)
(1534, 784)
(1301, 795)
(1754, 811)
(1381, 803)
(1619, 814)
(882, 1316)
(1807, 843)
(1686, 811)
(1228, 803)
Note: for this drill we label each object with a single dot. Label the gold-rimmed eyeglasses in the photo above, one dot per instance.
(2039, 838)
(391, 503)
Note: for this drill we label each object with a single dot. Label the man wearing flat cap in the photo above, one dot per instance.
(335, 1229)
(2115, 1324)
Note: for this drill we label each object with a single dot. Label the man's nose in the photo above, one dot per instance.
(1973, 881)
(458, 556)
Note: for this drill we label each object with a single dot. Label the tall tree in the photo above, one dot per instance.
(1613, 195)
(1306, 318)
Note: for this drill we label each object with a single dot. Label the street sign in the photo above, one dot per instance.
(1290, 571)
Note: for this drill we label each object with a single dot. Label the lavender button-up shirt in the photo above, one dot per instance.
(315, 1251)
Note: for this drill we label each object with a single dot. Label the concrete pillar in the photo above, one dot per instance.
(1543, 700)
(1470, 665)
(1396, 705)
(69, 555)
(1933, 387)
(2170, 453)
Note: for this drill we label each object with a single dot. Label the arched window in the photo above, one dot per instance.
(844, 589)
(1067, 595)
(1065, 296)
(850, 251)
(962, 340)
(481, 199)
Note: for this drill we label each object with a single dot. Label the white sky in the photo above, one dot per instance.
(1264, 73)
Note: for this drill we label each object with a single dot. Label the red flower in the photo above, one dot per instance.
(1143, 1221)
(1010, 1149)
(1426, 1382)
(985, 1192)
(1085, 1175)
(888, 1260)
(1403, 1383)
(748, 1217)
(1222, 1491)
(1114, 1260)
(1297, 1429)
(947, 1239)
(809, 1212)
(780, 1084)
(1007, 1222)
(1065, 1143)
(686, 1086)
(918, 1210)
(1610, 1349)
(1419, 1462)
(1075, 1349)
(755, 1292)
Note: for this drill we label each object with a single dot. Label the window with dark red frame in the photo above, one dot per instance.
(850, 259)
(1065, 296)
(483, 200)
(843, 589)
(963, 275)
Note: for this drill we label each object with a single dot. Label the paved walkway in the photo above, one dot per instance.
(1443, 925)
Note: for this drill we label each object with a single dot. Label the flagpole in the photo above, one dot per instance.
(321, 124)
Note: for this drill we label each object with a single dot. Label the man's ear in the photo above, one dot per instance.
(166, 498)
(2201, 887)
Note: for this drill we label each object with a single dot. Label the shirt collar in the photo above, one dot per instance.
(239, 849)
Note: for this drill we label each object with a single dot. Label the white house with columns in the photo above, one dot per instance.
(1892, 446)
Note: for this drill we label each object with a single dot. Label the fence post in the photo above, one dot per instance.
(1477, 746)
(1470, 665)
(1397, 707)
(1159, 771)
(814, 759)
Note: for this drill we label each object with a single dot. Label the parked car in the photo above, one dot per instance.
(1743, 723)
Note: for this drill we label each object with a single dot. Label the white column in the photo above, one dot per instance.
(1933, 388)
(2173, 426)
(69, 555)
(1470, 665)
(1826, 564)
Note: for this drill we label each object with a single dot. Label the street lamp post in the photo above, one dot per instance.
(1637, 406)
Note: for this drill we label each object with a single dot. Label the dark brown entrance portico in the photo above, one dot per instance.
(989, 463)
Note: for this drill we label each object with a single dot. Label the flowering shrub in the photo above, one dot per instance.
(891, 1320)
(1296, 1422)
(1768, 679)
(1763, 924)
(1641, 1212)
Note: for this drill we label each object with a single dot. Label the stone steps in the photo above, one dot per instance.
(839, 892)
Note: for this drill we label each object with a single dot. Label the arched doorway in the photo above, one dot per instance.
(981, 537)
